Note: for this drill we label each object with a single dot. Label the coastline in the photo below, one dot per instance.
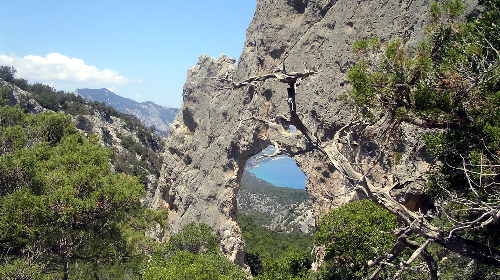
(264, 160)
(280, 171)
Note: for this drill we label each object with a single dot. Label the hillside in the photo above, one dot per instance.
(149, 113)
(137, 153)
(73, 182)
(281, 209)
(137, 147)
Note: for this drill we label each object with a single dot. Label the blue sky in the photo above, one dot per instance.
(138, 49)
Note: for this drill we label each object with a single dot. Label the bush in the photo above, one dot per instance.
(354, 234)
(189, 266)
(292, 265)
(192, 254)
(194, 238)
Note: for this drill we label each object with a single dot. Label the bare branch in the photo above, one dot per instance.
(281, 75)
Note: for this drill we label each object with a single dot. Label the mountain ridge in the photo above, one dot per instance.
(148, 112)
(282, 209)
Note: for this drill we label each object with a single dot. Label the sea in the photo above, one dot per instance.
(281, 172)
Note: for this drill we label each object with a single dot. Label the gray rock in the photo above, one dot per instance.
(219, 128)
(17, 95)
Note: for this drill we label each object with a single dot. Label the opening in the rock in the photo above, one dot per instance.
(274, 212)
(280, 171)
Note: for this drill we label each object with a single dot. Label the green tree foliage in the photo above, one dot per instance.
(291, 265)
(20, 269)
(59, 201)
(4, 95)
(268, 251)
(193, 253)
(141, 158)
(7, 73)
(194, 238)
(450, 80)
(189, 266)
(353, 234)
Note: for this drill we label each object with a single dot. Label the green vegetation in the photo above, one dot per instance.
(284, 195)
(291, 265)
(362, 223)
(366, 44)
(270, 253)
(192, 254)
(451, 81)
(194, 238)
(253, 191)
(64, 214)
(61, 208)
(8, 73)
(186, 265)
(141, 158)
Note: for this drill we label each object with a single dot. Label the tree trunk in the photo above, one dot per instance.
(66, 268)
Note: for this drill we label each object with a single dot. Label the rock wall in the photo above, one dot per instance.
(219, 128)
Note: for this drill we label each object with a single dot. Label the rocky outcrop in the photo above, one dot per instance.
(220, 125)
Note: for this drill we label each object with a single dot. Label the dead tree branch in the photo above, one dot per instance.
(280, 75)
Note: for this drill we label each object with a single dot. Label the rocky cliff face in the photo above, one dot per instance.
(220, 126)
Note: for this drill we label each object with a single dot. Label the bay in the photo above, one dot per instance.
(282, 172)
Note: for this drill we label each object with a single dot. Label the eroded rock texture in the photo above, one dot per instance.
(219, 128)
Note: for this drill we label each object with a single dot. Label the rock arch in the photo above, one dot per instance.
(220, 126)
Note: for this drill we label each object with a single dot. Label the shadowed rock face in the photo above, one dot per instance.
(219, 128)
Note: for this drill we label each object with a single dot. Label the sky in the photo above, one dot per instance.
(137, 49)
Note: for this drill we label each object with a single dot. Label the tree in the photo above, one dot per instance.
(291, 265)
(194, 238)
(265, 248)
(59, 201)
(4, 95)
(354, 234)
(194, 254)
(450, 82)
(186, 265)
(7, 73)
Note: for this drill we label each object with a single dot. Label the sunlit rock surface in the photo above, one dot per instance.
(218, 129)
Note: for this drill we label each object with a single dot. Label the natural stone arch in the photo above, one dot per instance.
(206, 157)
(222, 123)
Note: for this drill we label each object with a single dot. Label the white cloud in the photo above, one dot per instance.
(112, 89)
(57, 68)
(137, 96)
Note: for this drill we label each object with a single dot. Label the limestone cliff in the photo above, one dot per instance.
(220, 125)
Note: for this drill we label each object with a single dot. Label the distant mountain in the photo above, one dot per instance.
(147, 112)
(277, 208)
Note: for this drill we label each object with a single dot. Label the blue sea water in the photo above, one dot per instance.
(281, 172)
